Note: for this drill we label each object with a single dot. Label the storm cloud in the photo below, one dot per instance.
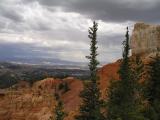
(110, 10)
(58, 29)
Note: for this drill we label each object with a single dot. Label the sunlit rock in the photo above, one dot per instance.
(145, 39)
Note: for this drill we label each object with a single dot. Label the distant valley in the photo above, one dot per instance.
(11, 73)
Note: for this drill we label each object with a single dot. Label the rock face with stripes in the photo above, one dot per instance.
(145, 39)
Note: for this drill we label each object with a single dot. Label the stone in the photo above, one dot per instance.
(145, 39)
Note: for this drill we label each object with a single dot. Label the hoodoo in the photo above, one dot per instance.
(145, 39)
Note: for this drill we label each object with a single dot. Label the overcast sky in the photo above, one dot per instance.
(58, 29)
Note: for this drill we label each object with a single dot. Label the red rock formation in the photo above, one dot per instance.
(71, 98)
(38, 99)
(107, 73)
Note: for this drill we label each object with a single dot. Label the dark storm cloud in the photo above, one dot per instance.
(108, 10)
(111, 10)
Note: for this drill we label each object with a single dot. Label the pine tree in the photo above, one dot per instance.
(90, 108)
(59, 114)
(139, 75)
(66, 87)
(153, 90)
(58, 111)
(137, 69)
(121, 95)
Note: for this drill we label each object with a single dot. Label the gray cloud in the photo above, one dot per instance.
(111, 10)
(10, 14)
(20, 50)
(29, 53)
(108, 10)
(10, 11)
(58, 28)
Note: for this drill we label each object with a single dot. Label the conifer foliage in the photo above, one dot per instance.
(90, 108)
(59, 113)
(121, 95)
(153, 90)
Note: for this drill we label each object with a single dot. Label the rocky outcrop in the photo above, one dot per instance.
(37, 102)
(106, 74)
(145, 39)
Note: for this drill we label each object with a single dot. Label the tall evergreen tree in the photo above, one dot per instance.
(153, 90)
(90, 108)
(121, 95)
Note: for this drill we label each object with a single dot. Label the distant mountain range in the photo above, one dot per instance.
(40, 61)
